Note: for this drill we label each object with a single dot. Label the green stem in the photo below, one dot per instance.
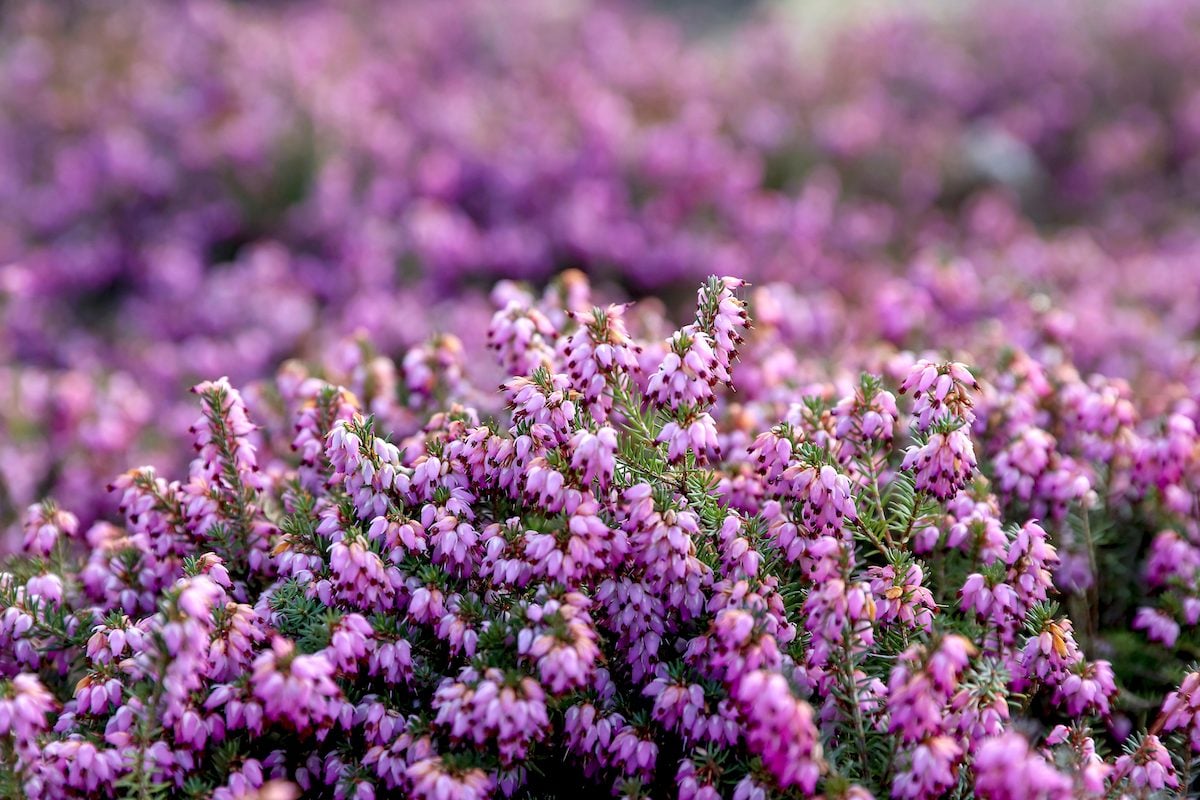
(860, 732)
(872, 538)
(1092, 594)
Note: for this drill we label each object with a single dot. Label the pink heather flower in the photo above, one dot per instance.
(1159, 626)
(95, 696)
(780, 730)
(921, 686)
(738, 641)
(562, 641)
(76, 766)
(493, 707)
(688, 372)
(45, 524)
(1030, 560)
(637, 617)
(944, 464)
(590, 733)
(523, 338)
(940, 392)
(391, 661)
(198, 596)
(1172, 557)
(24, 705)
(948, 661)
(863, 420)
(698, 782)
(594, 455)
(759, 597)
(1092, 771)
(748, 789)
(399, 536)
(47, 588)
(694, 431)
(1181, 710)
(544, 399)
(995, 603)
(1006, 769)
(548, 487)
(504, 562)
(426, 604)
(359, 576)
(1088, 689)
(1099, 412)
(599, 349)
(824, 494)
(739, 557)
(434, 367)
(112, 643)
(634, 752)
(837, 614)
(459, 627)
(587, 546)
(1022, 462)
(975, 527)
(297, 689)
(248, 783)
(453, 540)
(236, 637)
(980, 710)
(722, 315)
(432, 779)
(1049, 655)
(902, 599)
(1147, 767)
(368, 468)
(771, 452)
(664, 547)
(350, 643)
(222, 436)
(686, 709)
(928, 770)
(793, 542)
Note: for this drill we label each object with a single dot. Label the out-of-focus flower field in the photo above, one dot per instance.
(905, 505)
(211, 188)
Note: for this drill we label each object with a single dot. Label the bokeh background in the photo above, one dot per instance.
(205, 188)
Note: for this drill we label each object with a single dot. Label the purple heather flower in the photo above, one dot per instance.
(940, 391)
(780, 729)
(24, 706)
(431, 779)
(597, 352)
(688, 372)
(1181, 710)
(1007, 769)
(1148, 766)
(944, 464)
(691, 431)
(902, 599)
(594, 455)
(1159, 626)
(298, 689)
(44, 525)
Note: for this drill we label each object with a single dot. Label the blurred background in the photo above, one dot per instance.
(204, 188)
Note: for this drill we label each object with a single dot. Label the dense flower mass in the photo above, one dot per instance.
(905, 504)
(496, 606)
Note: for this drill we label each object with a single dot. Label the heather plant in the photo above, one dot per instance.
(640, 574)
